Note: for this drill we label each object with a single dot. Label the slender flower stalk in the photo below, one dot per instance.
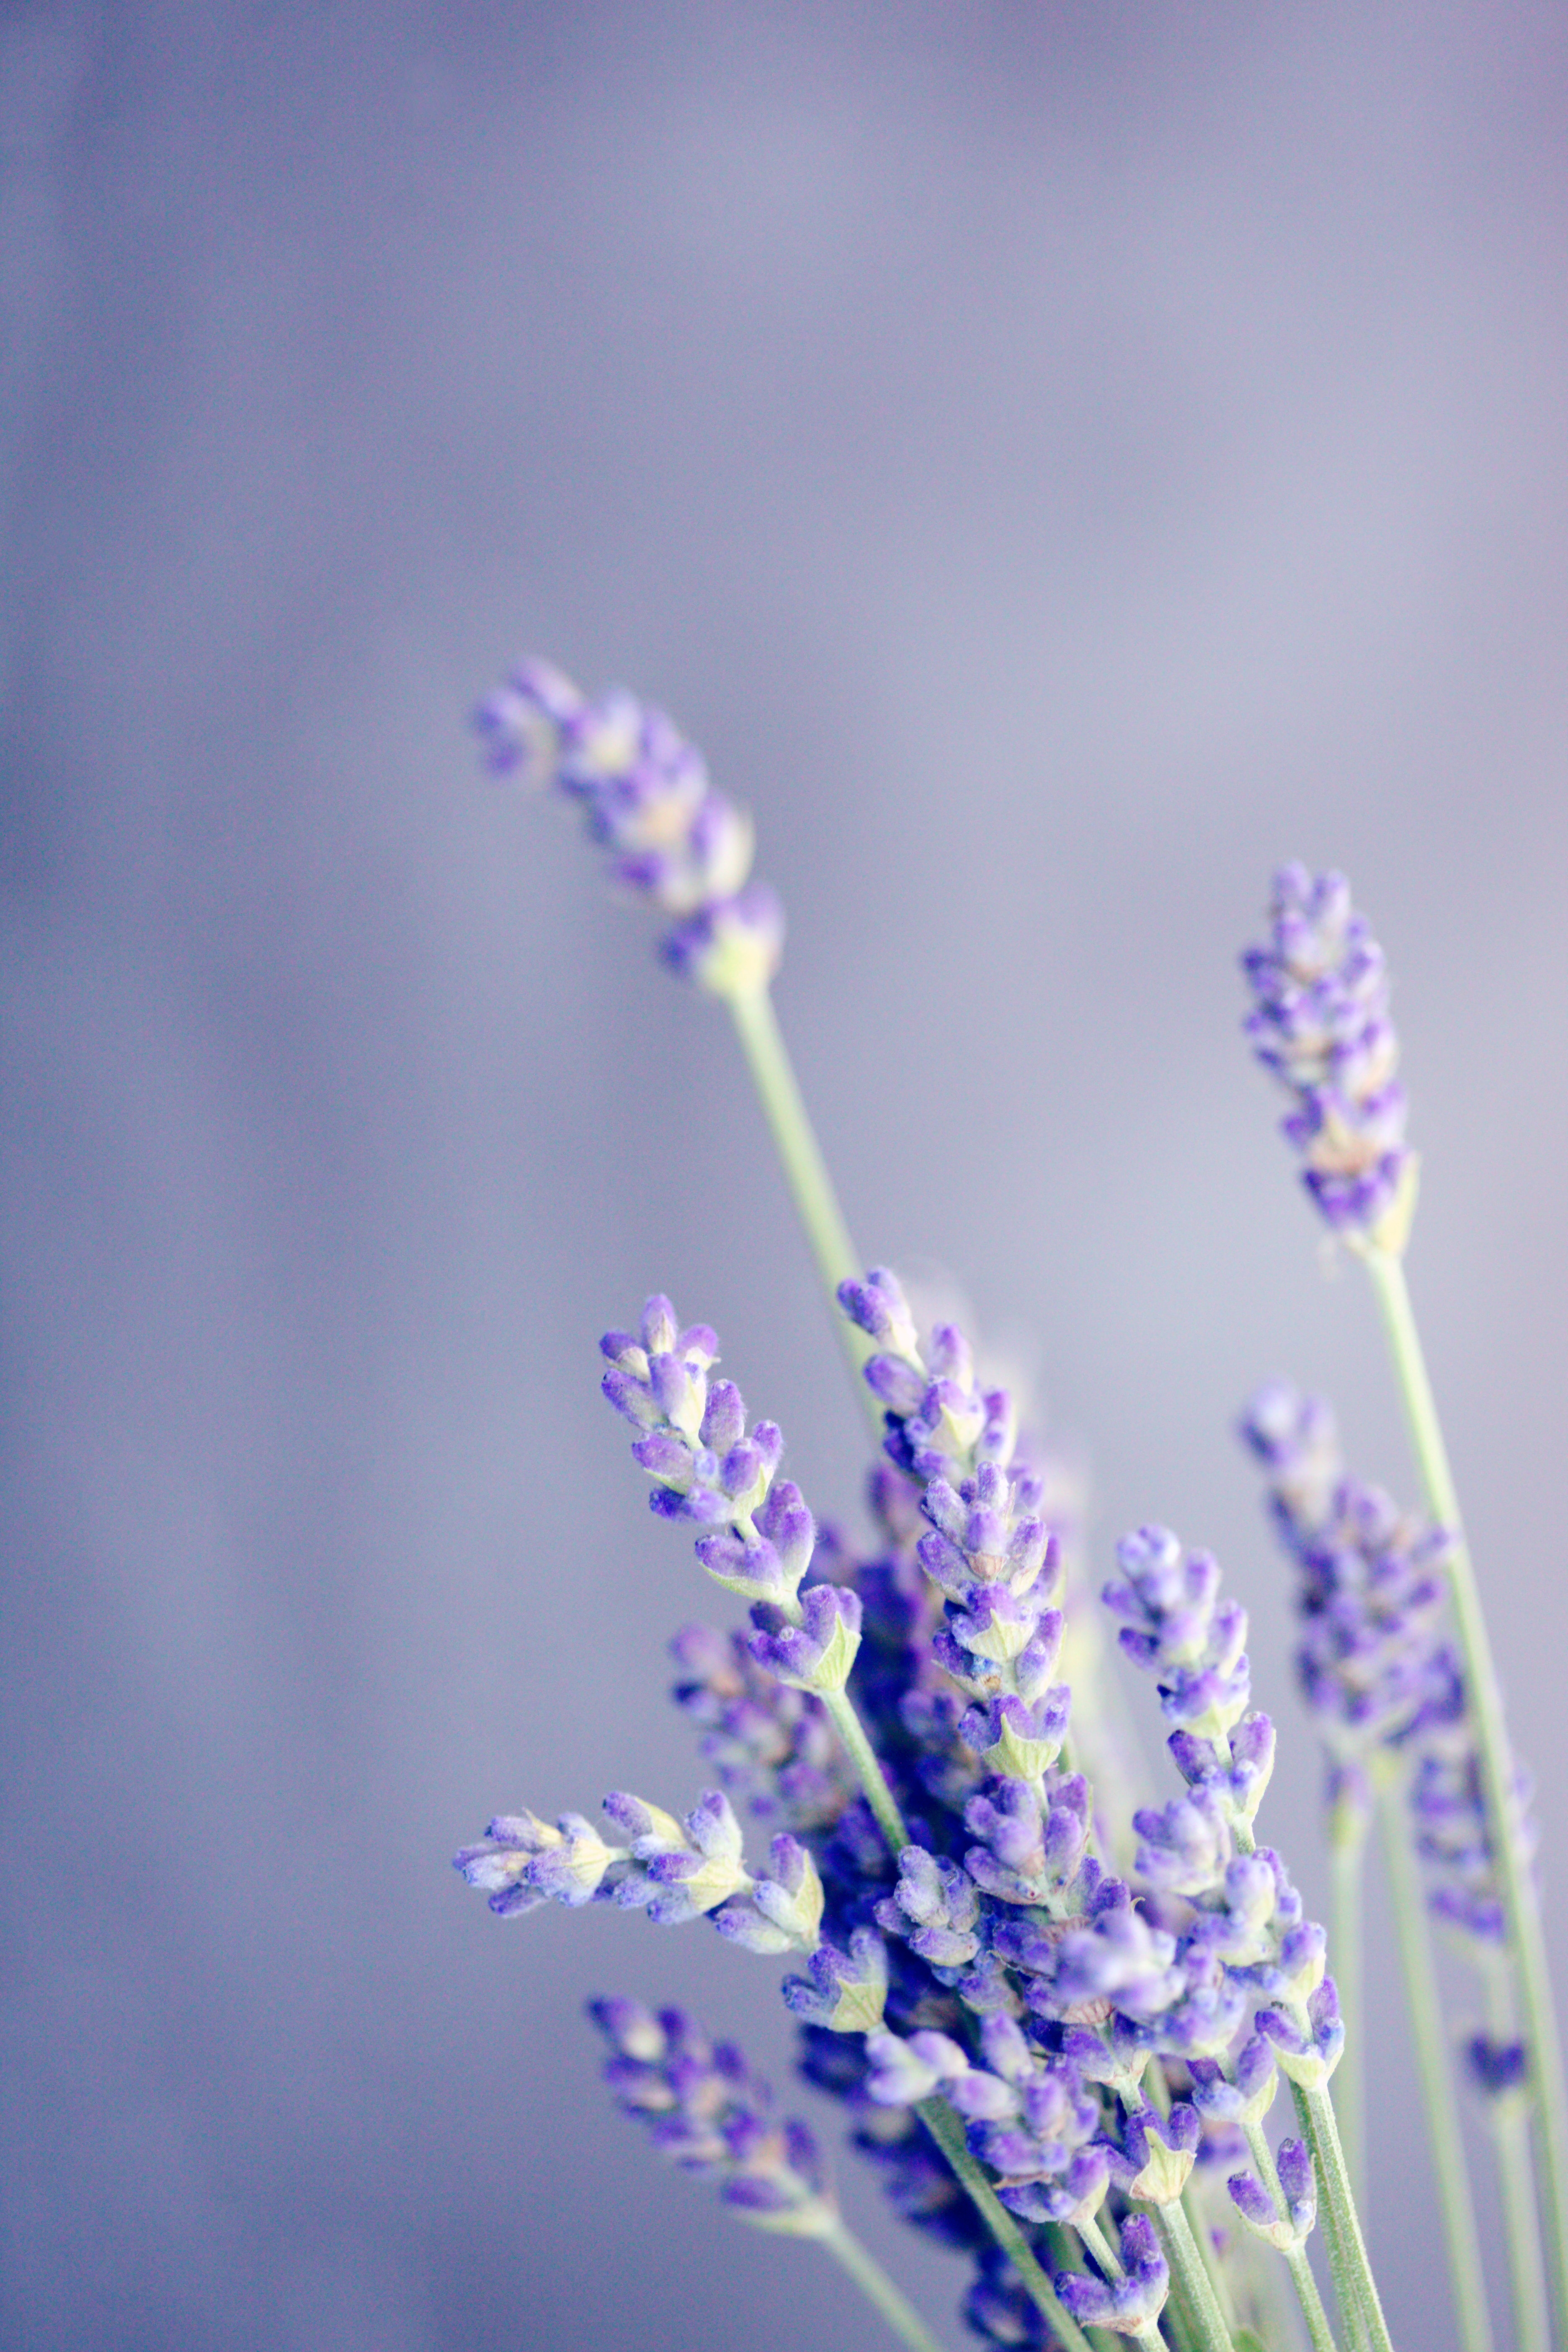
(677, 841)
(1322, 1023)
(1496, 2057)
(1445, 2133)
(1498, 1771)
(1347, 1864)
(1384, 1690)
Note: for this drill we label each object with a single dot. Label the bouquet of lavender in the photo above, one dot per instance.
(1063, 2022)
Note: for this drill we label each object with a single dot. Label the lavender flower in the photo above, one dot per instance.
(988, 1548)
(707, 1469)
(707, 2112)
(648, 799)
(1177, 1628)
(1321, 1023)
(1375, 1670)
(1132, 2304)
(673, 1870)
(1288, 2231)
(772, 1746)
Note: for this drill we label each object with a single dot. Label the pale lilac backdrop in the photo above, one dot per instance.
(1058, 460)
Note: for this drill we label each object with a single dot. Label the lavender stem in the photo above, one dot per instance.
(1189, 2274)
(1347, 1853)
(1430, 2035)
(862, 1756)
(1539, 2015)
(1301, 2268)
(877, 2288)
(805, 1168)
(948, 2133)
(1510, 2130)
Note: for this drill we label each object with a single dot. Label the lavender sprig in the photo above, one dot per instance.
(1244, 1934)
(759, 1534)
(675, 840)
(645, 791)
(706, 2111)
(1321, 1023)
(1323, 968)
(1389, 1697)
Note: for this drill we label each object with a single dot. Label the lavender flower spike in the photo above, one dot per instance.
(673, 1870)
(1321, 1023)
(646, 795)
(707, 2112)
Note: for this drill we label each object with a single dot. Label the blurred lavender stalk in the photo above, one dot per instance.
(707, 2112)
(684, 846)
(1320, 1022)
(1376, 1678)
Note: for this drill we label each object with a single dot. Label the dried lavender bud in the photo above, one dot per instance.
(817, 1654)
(707, 2112)
(934, 1909)
(502, 1864)
(672, 838)
(1321, 1023)
(903, 2072)
(1289, 2231)
(1151, 2155)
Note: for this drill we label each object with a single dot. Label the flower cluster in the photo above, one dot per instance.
(999, 1969)
(1321, 1023)
(646, 796)
(707, 2112)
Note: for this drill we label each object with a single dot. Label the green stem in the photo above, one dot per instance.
(1445, 2135)
(863, 1755)
(1352, 2316)
(1347, 1852)
(1189, 2275)
(1354, 2282)
(805, 1170)
(948, 2133)
(878, 2289)
(1497, 1771)
(1509, 2117)
(1301, 2268)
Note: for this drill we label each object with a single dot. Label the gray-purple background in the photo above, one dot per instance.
(1058, 460)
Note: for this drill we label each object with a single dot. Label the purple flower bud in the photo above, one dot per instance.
(1497, 2066)
(1253, 2202)
(903, 2072)
(877, 1306)
(1131, 2304)
(815, 1655)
